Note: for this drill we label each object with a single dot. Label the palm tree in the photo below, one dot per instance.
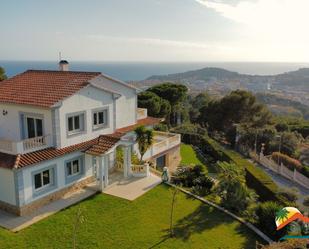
(144, 138)
(232, 189)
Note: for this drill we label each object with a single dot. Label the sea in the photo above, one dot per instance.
(134, 71)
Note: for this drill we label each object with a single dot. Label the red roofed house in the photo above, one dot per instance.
(60, 130)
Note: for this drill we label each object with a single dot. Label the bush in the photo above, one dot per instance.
(161, 127)
(202, 185)
(256, 178)
(290, 195)
(185, 176)
(195, 178)
(306, 201)
(289, 162)
(265, 219)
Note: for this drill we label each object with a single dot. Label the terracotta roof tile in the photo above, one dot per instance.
(42, 87)
(96, 146)
(104, 144)
(20, 161)
(146, 121)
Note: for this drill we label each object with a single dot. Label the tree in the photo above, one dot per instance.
(174, 195)
(156, 106)
(266, 213)
(175, 94)
(2, 74)
(144, 138)
(151, 101)
(196, 104)
(232, 189)
(239, 107)
(78, 220)
(288, 143)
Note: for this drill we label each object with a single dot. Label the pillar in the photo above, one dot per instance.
(103, 172)
(127, 161)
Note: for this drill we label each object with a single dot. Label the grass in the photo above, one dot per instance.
(190, 156)
(112, 222)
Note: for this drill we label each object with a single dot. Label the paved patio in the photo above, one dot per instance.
(132, 188)
(17, 223)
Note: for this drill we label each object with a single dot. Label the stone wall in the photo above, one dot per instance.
(29, 208)
(173, 158)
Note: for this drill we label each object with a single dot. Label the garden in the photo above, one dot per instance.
(110, 222)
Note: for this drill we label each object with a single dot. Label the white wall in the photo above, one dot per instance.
(126, 105)
(7, 186)
(59, 162)
(86, 100)
(10, 124)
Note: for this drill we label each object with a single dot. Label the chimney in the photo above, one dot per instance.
(63, 65)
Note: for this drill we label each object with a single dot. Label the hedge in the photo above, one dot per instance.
(302, 129)
(256, 178)
(291, 163)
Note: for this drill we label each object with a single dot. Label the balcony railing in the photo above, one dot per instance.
(140, 170)
(24, 146)
(164, 141)
(141, 113)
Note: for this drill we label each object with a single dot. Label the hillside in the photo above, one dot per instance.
(294, 85)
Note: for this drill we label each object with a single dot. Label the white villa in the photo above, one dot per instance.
(59, 131)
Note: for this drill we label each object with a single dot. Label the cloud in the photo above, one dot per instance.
(259, 12)
(271, 27)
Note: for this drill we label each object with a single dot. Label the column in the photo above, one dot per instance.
(127, 161)
(101, 172)
(106, 167)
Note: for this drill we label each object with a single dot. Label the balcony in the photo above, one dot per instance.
(141, 113)
(164, 141)
(24, 146)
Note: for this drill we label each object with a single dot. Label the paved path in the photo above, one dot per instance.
(17, 223)
(283, 182)
(132, 188)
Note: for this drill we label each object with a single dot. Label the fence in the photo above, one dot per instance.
(282, 170)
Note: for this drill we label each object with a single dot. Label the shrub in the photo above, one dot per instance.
(255, 177)
(265, 219)
(202, 185)
(306, 201)
(185, 176)
(289, 162)
(289, 244)
(305, 171)
(291, 195)
(161, 127)
(195, 178)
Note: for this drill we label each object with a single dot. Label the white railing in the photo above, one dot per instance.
(140, 170)
(6, 146)
(282, 170)
(24, 146)
(170, 141)
(141, 113)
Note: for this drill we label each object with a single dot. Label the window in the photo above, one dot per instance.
(34, 127)
(76, 123)
(73, 167)
(43, 179)
(100, 118)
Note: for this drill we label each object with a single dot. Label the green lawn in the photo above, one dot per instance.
(189, 156)
(111, 222)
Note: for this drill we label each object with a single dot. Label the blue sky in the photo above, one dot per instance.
(155, 30)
